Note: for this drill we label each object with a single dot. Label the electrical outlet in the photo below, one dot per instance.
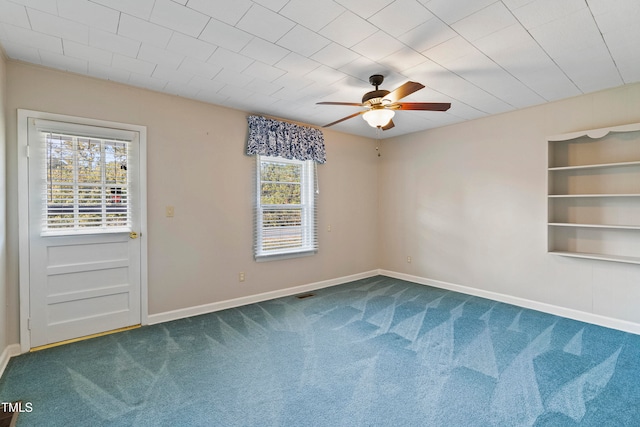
(329, 227)
(241, 277)
(170, 211)
(409, 259)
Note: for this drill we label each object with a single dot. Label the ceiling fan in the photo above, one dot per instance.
(381, 104)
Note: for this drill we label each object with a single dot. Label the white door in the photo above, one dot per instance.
(84, 230)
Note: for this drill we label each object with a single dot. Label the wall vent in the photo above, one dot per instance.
(303, 296)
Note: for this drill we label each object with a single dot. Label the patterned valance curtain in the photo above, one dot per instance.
(268, 137)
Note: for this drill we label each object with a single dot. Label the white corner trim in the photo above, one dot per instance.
(9, 352)
(251, 299)
(582, 316)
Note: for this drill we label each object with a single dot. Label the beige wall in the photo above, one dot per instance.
(3, 191)
(196, 162)
(468, 203)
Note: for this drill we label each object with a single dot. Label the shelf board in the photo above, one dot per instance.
(594, 133)
(571, 224)
(601, 257)
(560, 196)
(596, 166)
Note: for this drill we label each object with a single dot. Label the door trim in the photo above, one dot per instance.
(23, 211)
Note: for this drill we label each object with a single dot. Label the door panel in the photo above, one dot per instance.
(82, 280)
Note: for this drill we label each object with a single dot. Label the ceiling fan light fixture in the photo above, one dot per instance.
(378, 117)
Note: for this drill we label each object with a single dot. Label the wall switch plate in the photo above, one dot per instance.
(241, 277)
(409, 259)
(170, 211)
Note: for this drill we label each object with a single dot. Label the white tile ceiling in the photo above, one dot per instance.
(281, 57)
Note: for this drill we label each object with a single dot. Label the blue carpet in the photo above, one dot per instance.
(375, 352)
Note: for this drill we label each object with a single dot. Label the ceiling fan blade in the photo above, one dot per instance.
(405, 90)
(388, 125)
(345, 118)
(424, 106)
(353, 104)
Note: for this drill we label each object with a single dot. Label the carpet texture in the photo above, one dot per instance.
(375, 352)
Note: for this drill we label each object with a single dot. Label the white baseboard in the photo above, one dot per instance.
(8, 353)
(251, 299)
(582, 316)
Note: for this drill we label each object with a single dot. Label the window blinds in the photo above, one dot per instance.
(286, 208)
(87, 182)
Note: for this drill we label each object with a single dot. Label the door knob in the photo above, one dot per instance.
(134, 235)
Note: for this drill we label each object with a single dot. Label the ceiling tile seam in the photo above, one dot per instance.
(334, 20)
(38, 32)
(303, 26)
(204, 27)
(379, 10)
(409, 30)
(154, 70)
(543, 49)
(306, 56)
(213, 17)
(257, 60)
(486, 56)
(595, 21)
(489, 58)
(463, 78)
(116, 33)
(138, 54)
(456, 100)
(118, 26)
(361, 55)
(173, 33)
(350, 48)
(103, 5)
(26, 11)
(184, 57)
(466, 16)
(62, 43)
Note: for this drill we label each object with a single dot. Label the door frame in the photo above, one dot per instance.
(23, 210)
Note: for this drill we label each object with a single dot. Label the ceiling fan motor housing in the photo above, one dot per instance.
(374, 97)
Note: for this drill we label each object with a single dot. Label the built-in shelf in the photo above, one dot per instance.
(594, 194)
(596, 166)
(560, 196)
(601, 257)
(607, 226)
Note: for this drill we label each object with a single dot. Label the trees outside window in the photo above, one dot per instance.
(86, 182)
(285, 207)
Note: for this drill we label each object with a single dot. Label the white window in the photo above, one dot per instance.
(87, 183)
(285, 208)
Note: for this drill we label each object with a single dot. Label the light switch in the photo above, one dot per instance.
(170, 212)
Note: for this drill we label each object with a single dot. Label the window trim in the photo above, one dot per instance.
(308, 205)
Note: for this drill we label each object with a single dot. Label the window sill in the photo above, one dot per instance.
(285, 255)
